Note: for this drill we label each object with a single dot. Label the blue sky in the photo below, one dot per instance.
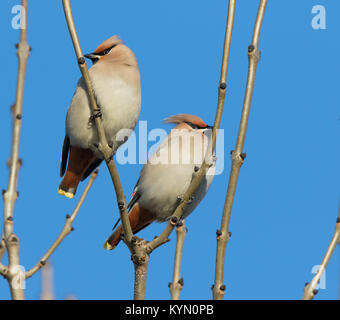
(288, 193)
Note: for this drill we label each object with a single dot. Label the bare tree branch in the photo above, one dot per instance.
(2, 248)
(310, 289)
(178, 282)
(10, 195)
(65, 231)
(237, 156)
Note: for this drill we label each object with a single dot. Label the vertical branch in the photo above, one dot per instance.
(178, 282)
(140, 258)
(237, 156)
(310, 289)
(10, 195)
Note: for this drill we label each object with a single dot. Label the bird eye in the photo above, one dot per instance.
(107, 51)
(192, 125)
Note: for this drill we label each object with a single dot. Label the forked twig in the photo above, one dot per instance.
(65, 231)
(10, 195)
(237, 156)
(148, 247)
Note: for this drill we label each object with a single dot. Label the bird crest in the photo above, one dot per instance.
(186, 118)
(108, 43)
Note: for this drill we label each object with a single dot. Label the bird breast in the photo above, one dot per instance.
(119, 100)
(162, 183)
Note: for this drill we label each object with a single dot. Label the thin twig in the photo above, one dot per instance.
(237, 156)
(178, 282)
(65, 231)
(11, 194)
(310, 289)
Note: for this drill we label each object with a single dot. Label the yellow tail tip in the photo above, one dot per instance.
(108, 246)
(66, 194)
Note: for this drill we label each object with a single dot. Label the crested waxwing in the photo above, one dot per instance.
(167, 175)
(116, 86)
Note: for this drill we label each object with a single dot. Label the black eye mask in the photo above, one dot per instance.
(195, 126)
(106, 51)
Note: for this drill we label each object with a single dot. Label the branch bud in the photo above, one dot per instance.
(81, 60)
(173, 221)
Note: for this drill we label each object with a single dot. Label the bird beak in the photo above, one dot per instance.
(94, 58)
(210, 127)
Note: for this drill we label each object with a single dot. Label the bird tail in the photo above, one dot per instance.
(79, 162)
(139, 219)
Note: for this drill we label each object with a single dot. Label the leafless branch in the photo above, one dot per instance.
(310, 289)
(237, 156)
(178, 282)
(10, 195)
(65, 231)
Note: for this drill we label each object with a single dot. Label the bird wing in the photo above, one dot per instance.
(64, 155)
(93, 166)
(133, 200)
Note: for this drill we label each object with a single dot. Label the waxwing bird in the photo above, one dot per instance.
(116, 85)
(167, 175)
